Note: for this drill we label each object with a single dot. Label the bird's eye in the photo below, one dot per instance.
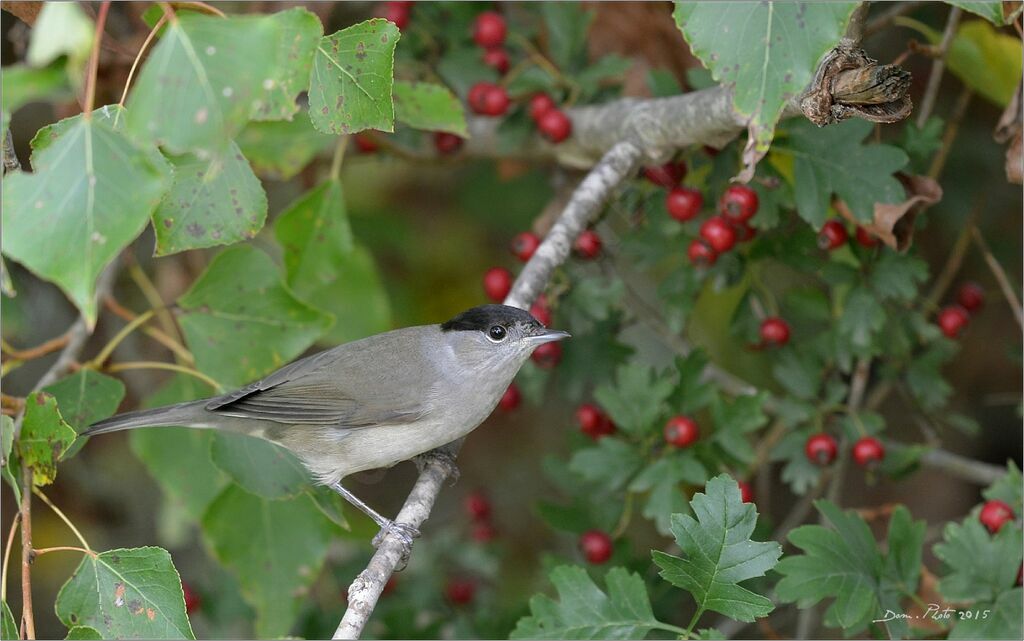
(496, 333)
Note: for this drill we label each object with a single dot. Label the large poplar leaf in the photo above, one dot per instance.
(353, 73)
(834, 160)
(92, 192)
(719, 553)
(275, 548)
(216, 200)
(126, 594)
(84, 398)
(583, 611)
(280, 149)
(242, 322)
(299, 34)
(325, 268)
(61, 29)
(424, 105)
(44, 437)
(991, 10)
(8, 627)
(83, 633)
(766, 52)
(259, 466)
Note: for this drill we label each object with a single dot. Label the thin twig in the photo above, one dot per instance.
(955, 258)
(7, 556)
(963, 101)
(179, 350)
(62, 516)
(938, 66)
(42, 349)
(62, 548)
(113, 368)
(27, 617)
(997, 270)
(895, 10)
(138, 57)
(152, 295)
(112, 344)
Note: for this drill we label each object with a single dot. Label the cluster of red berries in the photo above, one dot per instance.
(478, 507)
(551, 121)
(995, 514)
(954, 318)
(593, 421)
(833, 235)
(821, 449)
(489, 32)
(396, 11)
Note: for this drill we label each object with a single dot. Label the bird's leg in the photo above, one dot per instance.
(406, 533)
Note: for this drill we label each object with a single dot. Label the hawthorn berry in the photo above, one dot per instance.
(497, 283)
(738, 203)
(952, 320)
(494, 101)
(489, 29)
(744, 231)
(497, 58)
(396, 12)
(995, 514)
(510, 399)
(588, 245)
(541, 311)
(746, 491)
(774, 331)
(821, 449)
(484, 532)
(718, 234)
(596, 546)
(554, 125)
(192, 600)
(460, 591)
(832, 235)
(701, 254)
(524, 244)
(971, 297)
(540, 104)
(475, 95)
(868, 451)
(547, 355)
(446, 143)
(668, 175)
(365, 143)
(681, 431)
(683, 203)
(478, 506)
(865, 239)
(593, 422)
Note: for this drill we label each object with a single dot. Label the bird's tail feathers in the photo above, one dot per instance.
(190, 414)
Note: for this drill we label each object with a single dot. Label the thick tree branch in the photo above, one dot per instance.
(617, 165)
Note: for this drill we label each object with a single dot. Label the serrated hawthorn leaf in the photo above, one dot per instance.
(692, 393)
(85, 397)
(662, 479)
(981, 565)
(213, 201)
(897, 277)
(126, 594)
(637, 398)
(242, 322)
(423, 105)
(44, 437)
(91, 193)
(353, 74)
(259, 466)
(719, 554)
(1003, 620)
(1007, 488)
(610, 463)
(583, 611)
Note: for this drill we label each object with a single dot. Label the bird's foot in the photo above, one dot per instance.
(405, 534)
(443, 457)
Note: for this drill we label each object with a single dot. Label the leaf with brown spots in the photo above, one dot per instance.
(84, 398)
(300, 33)
(44, 437)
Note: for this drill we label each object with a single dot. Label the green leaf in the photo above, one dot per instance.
(567, 24)
(84, 398)
(610, 463)
(1000, 620)
(924, 375)
(8, 628)
(897, 277)
(213, 201)
(766, 52)
(83, 633)
(325, 267)
(23, 84)
(281, 149)
(1007, 488)
(259, 466)
(798, 372)
(903, 557)
(299, 32)
(921, 143)
(719, 553)
(692, 393)
(833, 160)
(800, 473)
(203, 80)
(991, 10)
(736, 419)
(91, 194)
(44, 437)
(863, 317)
(9, 458)
(353, 72)
(583, 611)
(242, 322)
(662, 479)
(126, 594)
(637, 398)
(986, 60)
(61, 29)
(275, 548)
(428, 106)
(981, 566)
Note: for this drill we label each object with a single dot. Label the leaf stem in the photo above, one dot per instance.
(63, 517)
(94, 60)
(181, 369)
(27, 618)
(668, 627)
(109, 348)
(138, 57)
(7, 557)
(149, 290)
(42, 349)
(693, 622)
(63, 548)
(339, 155)
(179, 350)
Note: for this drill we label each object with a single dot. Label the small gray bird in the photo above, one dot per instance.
(373, 402)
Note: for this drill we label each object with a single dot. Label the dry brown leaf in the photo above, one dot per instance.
(1009, 129)
(27, 12)
(894, 222)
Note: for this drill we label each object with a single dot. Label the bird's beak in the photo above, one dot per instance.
(545, 335)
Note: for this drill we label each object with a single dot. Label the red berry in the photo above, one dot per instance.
(475, 96)
(547, 355)
(446, 143)
(701, 254)
(746, 492)
(192, 600)
(588, 245)
(668, 175)
(365, 143)
(744, 231)
(864, 238)
(497, 283)
(554, 125)
(489, 29)
(683, 203)
(868, 451)
(510, 399)
(952, 320)
(738, 203)
(524, 244)
(541, 311)
(593, 422)
(718, 234)
(821, 449)
(995, 514)
(832, 235)
(478, 506)
(596, 546)
(493, 102)
(681, 431)
(774, 331)
(971, 297)
(484, 532)
(396, 12)
(540, 104)
(460, 591)
(497, 59)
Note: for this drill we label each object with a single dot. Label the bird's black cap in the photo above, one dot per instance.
(482, 317)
